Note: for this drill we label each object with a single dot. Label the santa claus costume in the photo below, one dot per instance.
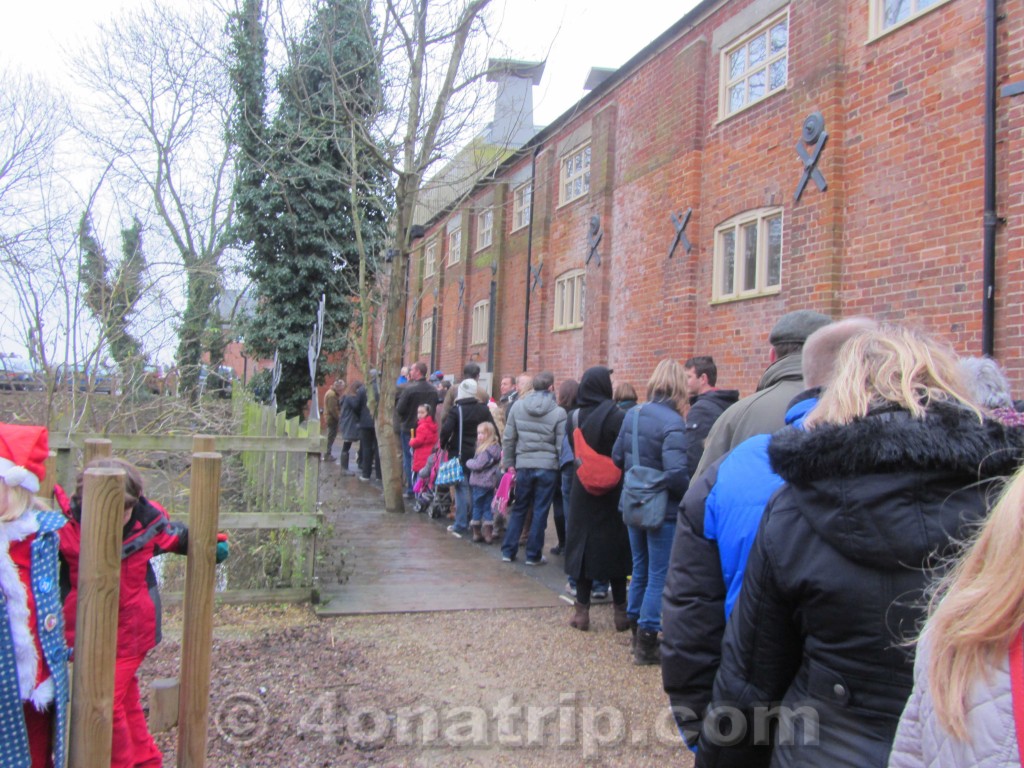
(33, 655)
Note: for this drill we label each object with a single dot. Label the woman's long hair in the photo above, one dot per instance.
(977, 610)
(668, 382)
(891, 366)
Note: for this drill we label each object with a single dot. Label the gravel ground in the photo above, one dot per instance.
(505, 688)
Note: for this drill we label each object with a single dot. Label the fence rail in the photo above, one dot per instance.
(280, 460)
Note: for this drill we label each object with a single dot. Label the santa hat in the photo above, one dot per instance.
(23, 452)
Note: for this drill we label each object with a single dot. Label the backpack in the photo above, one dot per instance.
(596, 472)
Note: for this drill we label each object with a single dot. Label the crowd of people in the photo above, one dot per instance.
(783, 551)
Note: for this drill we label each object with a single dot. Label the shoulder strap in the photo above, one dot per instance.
(636, 441)
(460, 430)
(1017, 686)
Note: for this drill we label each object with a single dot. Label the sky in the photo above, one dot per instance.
(574, 35)
(38, 38)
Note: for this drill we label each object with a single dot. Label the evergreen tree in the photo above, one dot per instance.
(295, 173)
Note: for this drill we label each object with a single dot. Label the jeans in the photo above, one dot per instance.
(482, 498)
(534, 490)
(407, 460)
(463, 505)
(560, 501)
(651, 553)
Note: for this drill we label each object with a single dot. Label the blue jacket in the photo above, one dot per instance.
(661, 439)
(718, 522)
(14, 750)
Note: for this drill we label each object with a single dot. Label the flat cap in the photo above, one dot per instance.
(795, 327)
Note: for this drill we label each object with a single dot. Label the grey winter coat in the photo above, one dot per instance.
(761, 413)
(533, 433)
(922, 742)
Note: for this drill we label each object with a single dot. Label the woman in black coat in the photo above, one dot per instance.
(892, 470)
(597, 543)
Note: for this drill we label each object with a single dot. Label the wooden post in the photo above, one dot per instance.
(99, 586)
(97, 448)
(197, 635)
(203, 444)
(163, 704)
(46, 487)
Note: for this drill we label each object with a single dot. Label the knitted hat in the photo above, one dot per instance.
(23, 452)
(795, 327)
(467, 389)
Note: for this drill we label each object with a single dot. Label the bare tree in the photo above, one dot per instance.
(159, 120)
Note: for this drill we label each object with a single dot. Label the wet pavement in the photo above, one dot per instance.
(398, 563)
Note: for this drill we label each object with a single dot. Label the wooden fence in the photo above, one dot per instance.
(280, 459)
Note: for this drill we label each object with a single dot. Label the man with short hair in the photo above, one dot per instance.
(507, 393)
(707, 403)
(414, 394)
(532, 444)
(718, 522)
(764, 411)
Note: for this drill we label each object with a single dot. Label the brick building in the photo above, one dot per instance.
(887, 96)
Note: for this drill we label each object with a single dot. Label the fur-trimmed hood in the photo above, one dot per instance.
(889, 489)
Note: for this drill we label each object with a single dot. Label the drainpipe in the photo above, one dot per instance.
(991, 220)
(529, 253)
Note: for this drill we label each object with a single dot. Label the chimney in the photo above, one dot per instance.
(513, 105)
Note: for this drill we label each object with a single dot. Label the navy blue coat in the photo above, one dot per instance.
(661, 439)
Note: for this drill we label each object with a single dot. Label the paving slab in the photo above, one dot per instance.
(403, 563)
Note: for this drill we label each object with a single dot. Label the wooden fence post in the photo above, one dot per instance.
(50, 478)
(99, 586)
(197, 635)
(203, 444)
(97, 448)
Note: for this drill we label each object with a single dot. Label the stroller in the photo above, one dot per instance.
(425, 488)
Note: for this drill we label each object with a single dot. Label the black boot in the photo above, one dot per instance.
(648, 649)
(632, 639)
(581, 617)
(622, 622)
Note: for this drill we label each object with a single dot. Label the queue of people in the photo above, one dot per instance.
(786, 552)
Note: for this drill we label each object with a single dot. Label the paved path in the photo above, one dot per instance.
(399, 563)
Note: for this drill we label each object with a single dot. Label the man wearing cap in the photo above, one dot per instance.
(764, 411)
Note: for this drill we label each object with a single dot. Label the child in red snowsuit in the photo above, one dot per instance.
(147, 532)
(424, 439)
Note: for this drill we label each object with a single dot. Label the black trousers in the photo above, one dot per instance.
(369, 455)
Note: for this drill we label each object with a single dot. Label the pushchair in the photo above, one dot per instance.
(425, 488)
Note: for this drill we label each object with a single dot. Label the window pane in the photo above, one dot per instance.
(579, 163)
(779, 37)
(777, 75)
(737, 96)
(728, 262)
(774, 251)
(737, 63)
(896, 11)
(758, 48)
(750, 256)
(757, 85)
(586, 181)
(586, 157)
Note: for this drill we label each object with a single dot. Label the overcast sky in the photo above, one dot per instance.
(575, 35)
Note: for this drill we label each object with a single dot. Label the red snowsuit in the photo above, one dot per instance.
(149, 532)
(423, 442)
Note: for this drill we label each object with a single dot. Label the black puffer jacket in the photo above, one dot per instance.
(836, 579)
(704, 412)
(473, 414)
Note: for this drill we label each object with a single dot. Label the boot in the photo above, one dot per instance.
(648, 649)
(581, 618)
(632, 640)
(344, 460)
(475, 528)
(622, 622)
(488, 532)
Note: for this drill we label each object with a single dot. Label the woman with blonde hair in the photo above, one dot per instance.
(966, 682)
(892, 469)
(657, 429)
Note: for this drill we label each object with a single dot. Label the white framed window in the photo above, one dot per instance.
(430, 259)
(575, 174)
(455, 246)
(427, 336)
(569, 289)
(887, 15)
(481, 322)
(522, 200)
(755, 66)
(484, 229)
(748, 255)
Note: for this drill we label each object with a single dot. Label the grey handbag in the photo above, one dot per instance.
(644, 499)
